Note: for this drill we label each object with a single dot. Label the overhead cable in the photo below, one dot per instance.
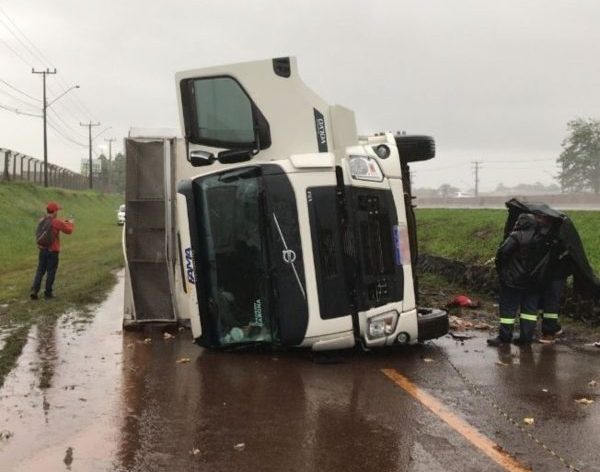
(19, 112)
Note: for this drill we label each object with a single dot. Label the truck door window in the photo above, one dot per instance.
(222, 113)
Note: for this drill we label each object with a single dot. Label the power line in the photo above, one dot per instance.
(75, 131)
(64, 136)
(519, 161)
(15, 53)
(18, 112)
(34, 51)
(18, 90)
(38, 55)
(20, 100)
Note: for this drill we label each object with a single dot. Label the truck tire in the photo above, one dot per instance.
(432, 322)
(415, 148)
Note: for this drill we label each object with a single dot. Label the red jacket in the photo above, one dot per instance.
(59, 225)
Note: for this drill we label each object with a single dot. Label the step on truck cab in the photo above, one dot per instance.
(286, 227)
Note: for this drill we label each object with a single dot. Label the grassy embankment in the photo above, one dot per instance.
(472, 236)
(87, 262)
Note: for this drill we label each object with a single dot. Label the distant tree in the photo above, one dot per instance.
(118, 173)
(447, 190)
(580, 159)
(104, 171)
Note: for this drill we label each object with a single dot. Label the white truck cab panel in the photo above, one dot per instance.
(292, 230)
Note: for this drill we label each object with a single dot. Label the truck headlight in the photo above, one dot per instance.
(365, 168)
(382, 325)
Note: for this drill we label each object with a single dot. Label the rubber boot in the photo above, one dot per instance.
(505, 332)
(550, 323)
(527, 330)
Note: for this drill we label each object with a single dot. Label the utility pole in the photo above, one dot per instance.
(44, 74)
(89, 125)
(109, 141)
(476, 165)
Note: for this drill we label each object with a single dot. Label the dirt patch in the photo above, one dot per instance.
(440, 280)
(482, 279)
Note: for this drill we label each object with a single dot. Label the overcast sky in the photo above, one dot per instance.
(494, 82)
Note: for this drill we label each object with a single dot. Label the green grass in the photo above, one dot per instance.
(88, 259)
(473, 236)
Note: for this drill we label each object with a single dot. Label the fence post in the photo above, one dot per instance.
(6, 165)
(14, 176)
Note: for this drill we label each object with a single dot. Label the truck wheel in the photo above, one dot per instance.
(415, 148)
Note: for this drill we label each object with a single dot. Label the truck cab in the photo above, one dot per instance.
(291, 229)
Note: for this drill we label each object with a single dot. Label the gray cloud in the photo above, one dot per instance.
(492, 81)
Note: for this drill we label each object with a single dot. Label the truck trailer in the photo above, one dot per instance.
(271, 221)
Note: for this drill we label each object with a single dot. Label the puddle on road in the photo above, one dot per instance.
(57, 405)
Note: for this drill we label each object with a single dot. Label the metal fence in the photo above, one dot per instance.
(16, 166)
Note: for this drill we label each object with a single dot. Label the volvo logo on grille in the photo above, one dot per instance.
(289, 256)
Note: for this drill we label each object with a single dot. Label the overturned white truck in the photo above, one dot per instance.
(271, 221)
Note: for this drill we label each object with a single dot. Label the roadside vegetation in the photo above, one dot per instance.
(88, 260)
(472, 236)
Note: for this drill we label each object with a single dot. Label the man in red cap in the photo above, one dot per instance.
(48, 241)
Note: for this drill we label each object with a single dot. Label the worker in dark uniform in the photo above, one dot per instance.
(559, 268)
(516, 258)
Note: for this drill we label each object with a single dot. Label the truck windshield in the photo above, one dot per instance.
(233, 247)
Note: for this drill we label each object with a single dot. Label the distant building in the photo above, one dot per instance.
(96, 166)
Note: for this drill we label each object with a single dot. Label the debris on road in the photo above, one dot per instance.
(529, 421)
(482, 326)
(168, 336)
(463, 301)
(592, 383)
(458, 324)
(195, 451)
(68, 460)
(545, 390)
(459, 337)
(428, 359)
(240, 446)
(584, 401)
(183, 360)
(5, 435)
(502, 363)
(148, 340)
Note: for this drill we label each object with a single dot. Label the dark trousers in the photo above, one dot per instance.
(550, 304)
(47, 264)
(522, 302)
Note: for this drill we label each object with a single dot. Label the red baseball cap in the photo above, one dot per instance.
(52, 207)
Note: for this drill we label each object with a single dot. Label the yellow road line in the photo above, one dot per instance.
(483, 443)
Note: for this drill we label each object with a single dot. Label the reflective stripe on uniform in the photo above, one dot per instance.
(528, 317)
(550, 316)
(510, 321)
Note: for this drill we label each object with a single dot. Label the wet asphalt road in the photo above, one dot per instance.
(133, 402)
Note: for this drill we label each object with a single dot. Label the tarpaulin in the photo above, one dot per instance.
(574, 261)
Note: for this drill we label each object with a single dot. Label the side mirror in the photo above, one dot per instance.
(234, 156)
(201, 158)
